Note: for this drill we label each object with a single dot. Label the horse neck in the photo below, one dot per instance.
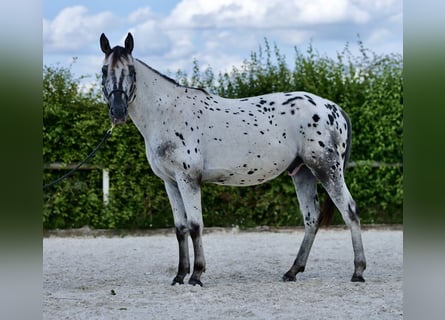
(152, 88)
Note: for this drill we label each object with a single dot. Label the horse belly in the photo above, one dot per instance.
(247, 167)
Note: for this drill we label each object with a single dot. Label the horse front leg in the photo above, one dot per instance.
(190, 190)
(182, 232)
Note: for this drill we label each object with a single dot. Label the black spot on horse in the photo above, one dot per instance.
(331, 119)
(179, 135)
(290, 100)
(310, 100)
(321, 143)
(315, 117)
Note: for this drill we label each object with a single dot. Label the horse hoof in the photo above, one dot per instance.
(194, 282)
(177, 280)
(289, 277)
(356, 278)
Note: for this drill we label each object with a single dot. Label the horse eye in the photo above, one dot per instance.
(104, 71)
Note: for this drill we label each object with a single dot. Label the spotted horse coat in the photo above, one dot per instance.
(193, 137)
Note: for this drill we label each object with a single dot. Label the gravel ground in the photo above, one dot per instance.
(129, 277)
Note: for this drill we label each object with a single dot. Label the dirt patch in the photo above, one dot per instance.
(129, 277)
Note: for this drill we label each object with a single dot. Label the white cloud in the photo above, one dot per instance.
(141, 15)
(396, 18)
(221, 33)
(73, 28)
(378, 35)
(266, 13)
(152, 39)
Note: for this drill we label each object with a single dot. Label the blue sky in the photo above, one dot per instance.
(169, 34)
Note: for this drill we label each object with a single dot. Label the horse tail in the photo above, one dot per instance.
(327, 211)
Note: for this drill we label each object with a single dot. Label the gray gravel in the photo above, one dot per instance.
(129, 277)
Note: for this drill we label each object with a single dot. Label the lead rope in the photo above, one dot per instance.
(106, 136)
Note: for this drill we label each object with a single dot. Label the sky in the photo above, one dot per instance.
(170, 34)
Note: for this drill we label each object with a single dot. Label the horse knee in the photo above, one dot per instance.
(181, 232)
(195, 230)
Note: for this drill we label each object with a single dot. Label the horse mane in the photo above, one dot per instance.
(176, 83)
(120, 53)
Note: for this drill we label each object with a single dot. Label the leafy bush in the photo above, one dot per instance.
(369, 88)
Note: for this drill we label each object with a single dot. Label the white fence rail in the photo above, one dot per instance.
(105, 175)
(106, 171)
(373, 164)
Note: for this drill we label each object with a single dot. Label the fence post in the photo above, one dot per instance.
(106, 185)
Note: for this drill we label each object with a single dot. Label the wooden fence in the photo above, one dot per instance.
(106, 171)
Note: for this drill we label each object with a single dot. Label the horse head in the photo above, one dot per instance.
(118, 77)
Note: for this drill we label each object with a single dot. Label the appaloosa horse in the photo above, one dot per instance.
(193, 137)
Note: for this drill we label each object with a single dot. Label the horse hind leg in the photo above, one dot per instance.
(340, 195)
(306, 189)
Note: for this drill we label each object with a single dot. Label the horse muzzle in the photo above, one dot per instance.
(118, 106)
(118, 113)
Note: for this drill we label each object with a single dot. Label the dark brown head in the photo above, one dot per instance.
(118, 77)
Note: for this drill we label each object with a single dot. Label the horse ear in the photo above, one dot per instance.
(105, 44)
(129, 43)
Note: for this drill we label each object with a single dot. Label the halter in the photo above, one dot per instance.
(128, 99)
(118, 90)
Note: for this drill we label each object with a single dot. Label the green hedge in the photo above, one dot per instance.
(368, 87)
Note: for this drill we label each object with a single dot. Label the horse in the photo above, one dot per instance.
(193, 137)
